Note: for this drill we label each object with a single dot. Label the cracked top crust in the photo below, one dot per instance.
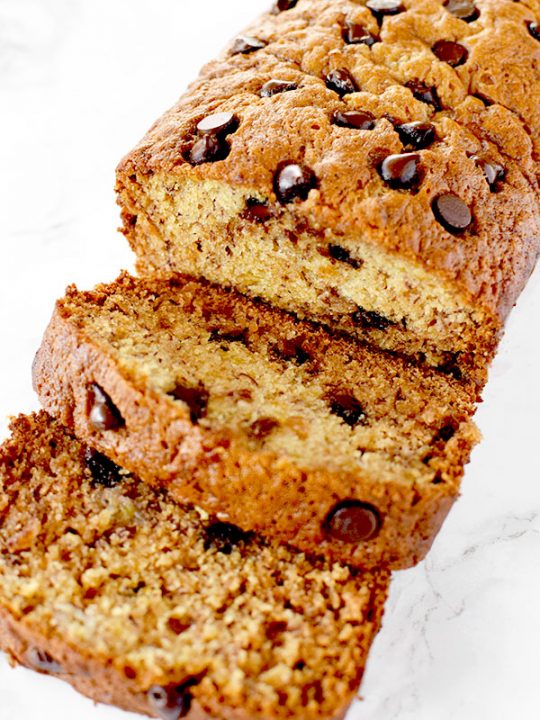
(489, 111)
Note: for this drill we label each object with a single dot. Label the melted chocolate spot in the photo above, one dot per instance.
(336, 252)
(257, 211)
(262, 427)
(291, 351)
(224, 537)
(104, 472)
(370, 319)
(196, 398)
(102, 412)
(347, 407)
(352, 521)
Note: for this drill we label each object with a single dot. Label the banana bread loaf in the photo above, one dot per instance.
(271, 423)
(145, 604)
(370, 165)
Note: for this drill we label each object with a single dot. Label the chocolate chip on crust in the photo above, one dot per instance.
(356, 119)
(463, 9)
(425, 93)
(356, 34)
(246, 44)
(275, 87)
(341, 81)
(452, 212)
(401, 172)
(222, 123)
(381, 8)
(293, 181)
(450, 52)
(416, 134)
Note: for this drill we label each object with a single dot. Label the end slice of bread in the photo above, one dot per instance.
(142, 603)
(272, 424)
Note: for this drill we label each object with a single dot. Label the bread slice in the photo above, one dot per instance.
(270, 423)
(372, 166)
(142, 603)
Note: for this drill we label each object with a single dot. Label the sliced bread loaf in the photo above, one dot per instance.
(142, 603)
(272, 424)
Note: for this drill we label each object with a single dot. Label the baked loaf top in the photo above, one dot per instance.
(274, 424)
(145, 604)
(469, 68)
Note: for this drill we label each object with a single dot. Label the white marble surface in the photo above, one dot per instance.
(80, 80)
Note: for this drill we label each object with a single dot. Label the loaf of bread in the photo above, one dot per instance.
(145, 604)
(268, 422)
(370, 165)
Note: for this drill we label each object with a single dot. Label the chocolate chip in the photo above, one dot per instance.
(222, 124)
(452, 213)
(170, 703)
(370, 319)
(262, 427)
(341, 81)
(209, 148)
(401, 172)
(493, 172)
(424, 93)
(291, 350)
(381, 8)
(417, 134)
(41, 661)
(451, 367)
(104, 471)
(347, 408)
(224, 537)
(274, 87)
(336, 252)
(534, 29)
(356, 34)
(352, 521)
(293, 181)
(450, 52)
(102, 412)
(463, 9)
(228, 336)
(282, 5)
(357, 119)
(257, 210)
(246, 44)
(446, 433)
(196, 398)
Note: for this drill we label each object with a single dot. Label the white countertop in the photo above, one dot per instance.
(80, 81)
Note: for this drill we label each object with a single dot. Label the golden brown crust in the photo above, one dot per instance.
(490, 263)
(61, 533)
(281, 496)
